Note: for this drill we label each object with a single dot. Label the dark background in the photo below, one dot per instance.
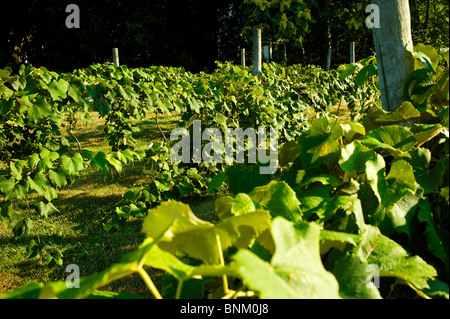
(189, 33)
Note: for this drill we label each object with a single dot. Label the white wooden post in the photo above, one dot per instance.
(352, 52)
(257, 52)
(392, 37)
(243, 57)
(116, 56)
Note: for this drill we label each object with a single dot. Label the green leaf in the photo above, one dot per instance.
(75, 92)
(39, 183)
(396, 139)
(394, 261)
(223, 206)
(102, 107)
(16, 167)
(46, 209)
(115, 163)
(398, 218)
(429, 179)
(165, 106)
(334, 239)
(349, 70)
(434, 242)
(195, 106)
(279, 199)
(33, 160)
(365, 73)
(71, 166)
(352, 273)
(57, 178)
(27, 291)
(438, 289)
(242, 204)
(98, 160)
(20, 225)
(322, 179)
(196, 237)
(427, 55)
(391, 188)
(289, 152)
(38, 109)
(58, 89)
(217, 182)
(376, 117)
(354, 156)
(47, 159)
(243, 178)
(427, 133)
(320, 141)
(295, 271)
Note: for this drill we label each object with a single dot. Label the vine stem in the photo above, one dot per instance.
(76, 140)
(159, 128)
(222, 262)
(179, 288)
(148, 281)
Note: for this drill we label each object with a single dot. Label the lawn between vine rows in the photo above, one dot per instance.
(348, 195)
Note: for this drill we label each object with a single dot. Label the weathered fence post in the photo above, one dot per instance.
(352, 52)
(116, 56)
(330, 51)
(115, 52)
(257, 54)
(266, 53)
(243, 57)
(394, 62)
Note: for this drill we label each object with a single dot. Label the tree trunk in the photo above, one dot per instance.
(391, 40)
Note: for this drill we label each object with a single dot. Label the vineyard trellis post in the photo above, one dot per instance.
(257, 52)
(352, 52)
(391, 40)
(330, 51)
(115, 52)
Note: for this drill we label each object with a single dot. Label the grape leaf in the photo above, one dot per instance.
(198, 238)
(295, 271)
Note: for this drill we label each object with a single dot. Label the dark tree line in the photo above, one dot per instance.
(191, 33)
(156, 32)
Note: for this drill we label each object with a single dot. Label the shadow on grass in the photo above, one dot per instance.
(77, 231)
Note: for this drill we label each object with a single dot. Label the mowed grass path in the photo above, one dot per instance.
(77, 231)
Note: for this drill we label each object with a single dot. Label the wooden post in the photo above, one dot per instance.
(257, 52)
(395, 64)
(266, 53)
(330, 51)
(352, 52)
(285, 53)
(270, 51)
(243, 57)
(116, 56)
